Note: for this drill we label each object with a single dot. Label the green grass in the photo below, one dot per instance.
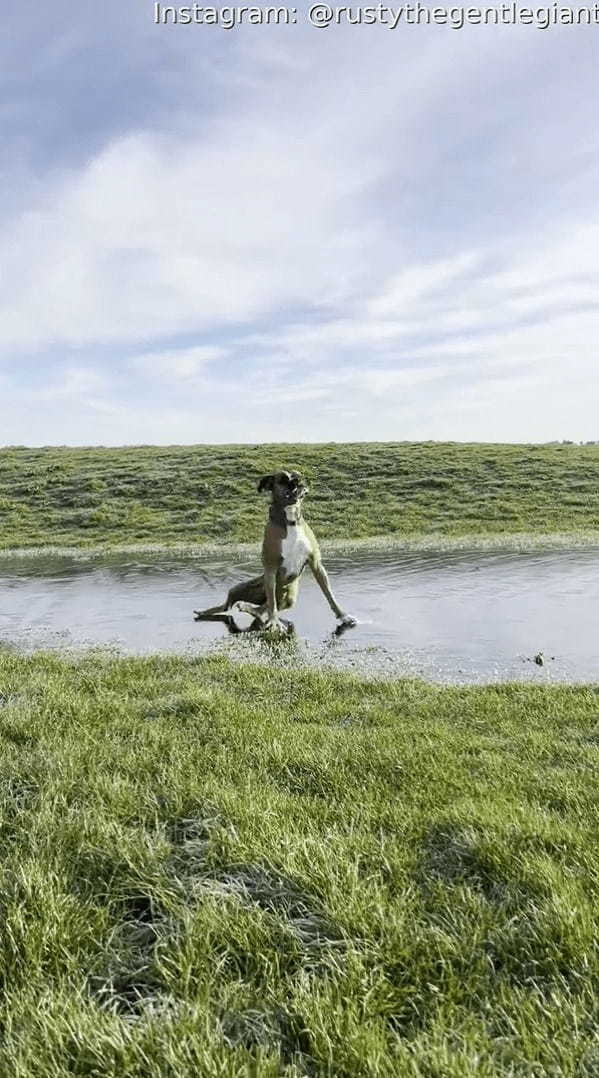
(198, 494)
(210, 869)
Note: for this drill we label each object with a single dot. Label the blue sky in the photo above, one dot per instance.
(284, 233)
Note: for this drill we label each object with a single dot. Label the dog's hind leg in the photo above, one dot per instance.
(286, 598)
(213, 613)
(250, 591)
(252, 608)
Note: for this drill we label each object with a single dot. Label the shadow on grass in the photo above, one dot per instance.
(152, 916)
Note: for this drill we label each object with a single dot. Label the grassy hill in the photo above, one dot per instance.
(107, 497)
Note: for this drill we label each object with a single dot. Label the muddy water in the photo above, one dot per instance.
(451, 617)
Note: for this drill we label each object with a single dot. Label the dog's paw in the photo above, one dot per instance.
(275, 626)
(347, 621)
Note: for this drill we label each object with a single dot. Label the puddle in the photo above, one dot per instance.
(452, 617)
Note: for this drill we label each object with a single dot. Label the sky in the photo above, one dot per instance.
(283, 233)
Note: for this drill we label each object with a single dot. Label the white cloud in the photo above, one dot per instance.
(73, 383)
(390, 238)
(155, 238)
(178, 365)
(282, 201)
(418, 283)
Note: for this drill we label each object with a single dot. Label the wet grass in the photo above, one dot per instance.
(211, 869)
(89, 498)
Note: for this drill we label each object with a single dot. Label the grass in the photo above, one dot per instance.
(211, 869)
(90, 498)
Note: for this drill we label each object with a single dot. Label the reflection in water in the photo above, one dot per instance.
(455, 617)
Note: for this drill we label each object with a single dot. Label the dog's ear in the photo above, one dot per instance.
(266, 483)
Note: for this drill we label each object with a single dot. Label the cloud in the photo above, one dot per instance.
(155, 239)
(418, 283)
(178, 365)
(392, 238)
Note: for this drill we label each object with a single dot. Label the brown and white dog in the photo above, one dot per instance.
(289, 545)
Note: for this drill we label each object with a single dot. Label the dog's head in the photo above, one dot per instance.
(287, 488)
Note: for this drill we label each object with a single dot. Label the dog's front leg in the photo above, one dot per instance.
(270, 583)
(323, 582)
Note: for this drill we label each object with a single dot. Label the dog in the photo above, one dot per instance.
(289, 546)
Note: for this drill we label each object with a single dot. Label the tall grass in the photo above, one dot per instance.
(210, 869)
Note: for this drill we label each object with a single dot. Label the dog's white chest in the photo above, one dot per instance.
(295, 550)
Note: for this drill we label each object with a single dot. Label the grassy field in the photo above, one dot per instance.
(210, 869)
(197, 494)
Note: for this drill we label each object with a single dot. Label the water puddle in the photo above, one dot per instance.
(451, 617)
